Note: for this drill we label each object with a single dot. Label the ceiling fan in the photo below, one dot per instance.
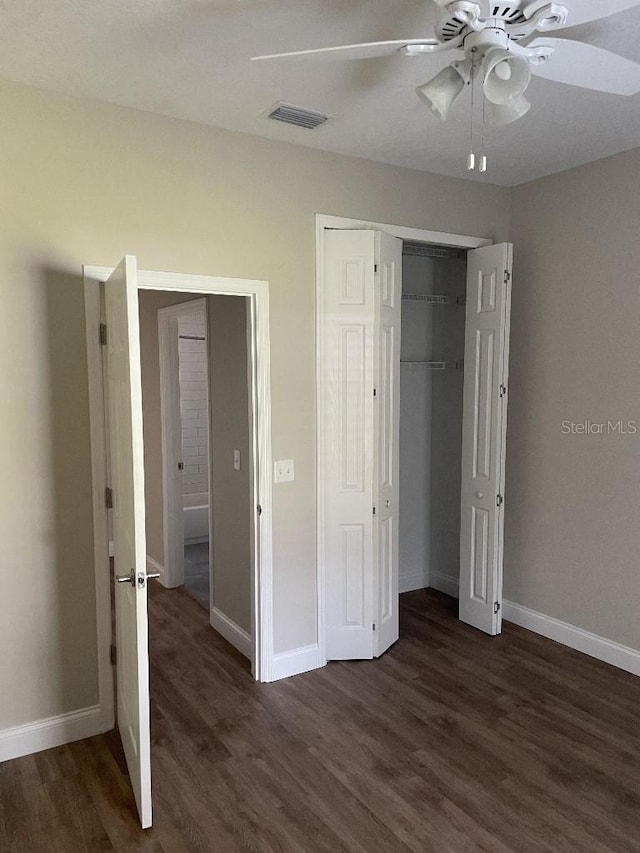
(493, 41)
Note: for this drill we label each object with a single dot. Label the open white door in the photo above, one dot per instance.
(127, 480)
(359, 339)
(484, 435)
(387, 430)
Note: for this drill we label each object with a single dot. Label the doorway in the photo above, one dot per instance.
(431, 401)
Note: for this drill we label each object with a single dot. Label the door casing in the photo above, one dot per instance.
(257, 293)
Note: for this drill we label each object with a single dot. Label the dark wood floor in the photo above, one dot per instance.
(452, 742)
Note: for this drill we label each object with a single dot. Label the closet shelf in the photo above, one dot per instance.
(436, 365)
(429, 298)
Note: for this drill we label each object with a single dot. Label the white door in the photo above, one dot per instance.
(484, 435)
(127, 480)
(388, 299)
(358, 349)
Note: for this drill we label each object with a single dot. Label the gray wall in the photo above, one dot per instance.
(572, 537)
(84, 183)
(450, 279)
(231, 493)
(415, 427)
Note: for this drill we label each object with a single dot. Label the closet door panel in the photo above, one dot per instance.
(345, 442)
(387, 430)
(484, 436)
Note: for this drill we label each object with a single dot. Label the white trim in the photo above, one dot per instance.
(419, 235)
(232, 632)
(53, 731)
(296, 661)
(102, 546)
(444, 583)
(324, 222)
(258, 294)
(590, 644)
(413, 580)
(155, 566)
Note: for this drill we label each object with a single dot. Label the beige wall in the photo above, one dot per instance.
(231, 504)
(85, 183)
(571, 515)
(149, 301)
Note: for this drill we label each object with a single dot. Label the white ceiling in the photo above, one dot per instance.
(190, 59)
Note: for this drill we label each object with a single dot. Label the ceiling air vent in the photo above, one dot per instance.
(296, 115)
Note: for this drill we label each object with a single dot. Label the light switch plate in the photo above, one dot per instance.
(283, 471)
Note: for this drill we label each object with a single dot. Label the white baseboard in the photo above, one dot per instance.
(155, 566)
(576, 638)
(296, 661)
(444, 583)
(52, 731)
(409, 581)
(233, 633)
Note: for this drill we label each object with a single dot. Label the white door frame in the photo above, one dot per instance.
(257, 293)
(325, 222)
(172, 498)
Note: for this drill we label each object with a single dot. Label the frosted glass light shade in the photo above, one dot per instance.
(501, 114)
(440, 93)
(505, 76)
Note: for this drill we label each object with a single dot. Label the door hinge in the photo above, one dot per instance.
(507, 276)
(103, 334)
(499, 500)
(108, 498)
(374, 626)
(180, 466)
(375, 392)
(375, 267)
(113, 654)
(259, 509)
(496, 606)
(374, 510)
(503, 390)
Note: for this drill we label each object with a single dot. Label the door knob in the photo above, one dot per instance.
(130, 578)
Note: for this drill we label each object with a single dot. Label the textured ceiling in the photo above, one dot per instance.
(190, 59)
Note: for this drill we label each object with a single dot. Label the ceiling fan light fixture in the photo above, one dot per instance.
(498, 115)
(505, 76)
(440, 93)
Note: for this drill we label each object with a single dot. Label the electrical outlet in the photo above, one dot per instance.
(283, 471)
(236, 460)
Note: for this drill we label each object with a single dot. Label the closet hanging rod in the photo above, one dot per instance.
(437, 365)
(191, 338)
(429, 298)
(430, 365)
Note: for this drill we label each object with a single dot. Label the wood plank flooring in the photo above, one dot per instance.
(452, 742)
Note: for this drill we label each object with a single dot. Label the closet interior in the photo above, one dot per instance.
(431, 386)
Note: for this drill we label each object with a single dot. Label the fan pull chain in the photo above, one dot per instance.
(482, 159)
(483, 156)
(471, 162)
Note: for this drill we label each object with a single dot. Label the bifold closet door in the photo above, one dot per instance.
(484, 435)
(358, 358)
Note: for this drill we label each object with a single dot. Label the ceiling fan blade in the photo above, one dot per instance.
(366, 50)
(583, 11)
(578, 64)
